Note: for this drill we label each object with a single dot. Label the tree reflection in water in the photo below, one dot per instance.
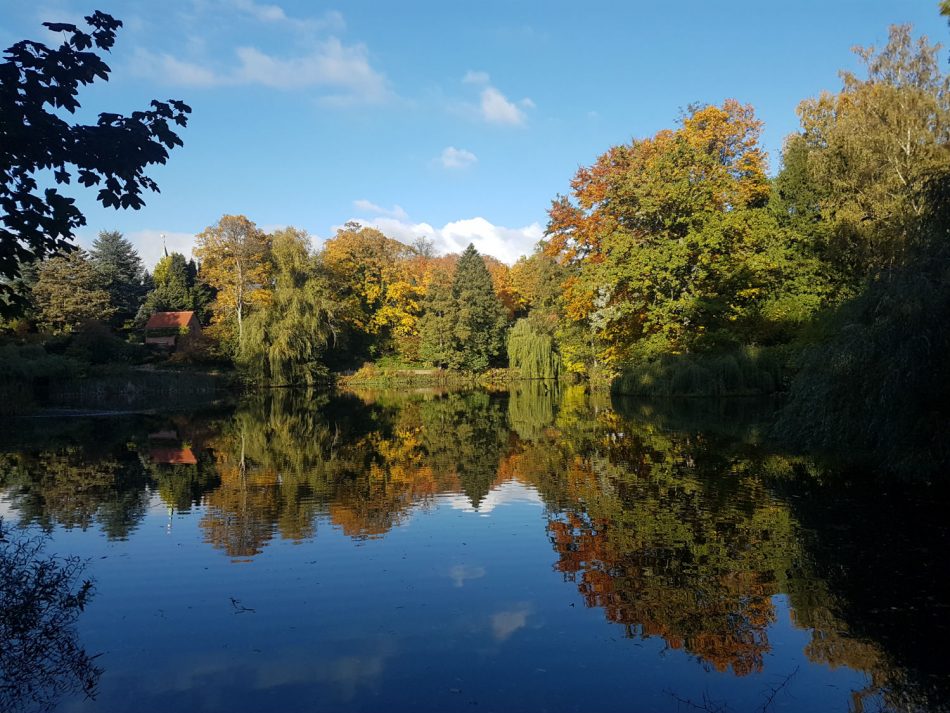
(41, 658)
(676, 526)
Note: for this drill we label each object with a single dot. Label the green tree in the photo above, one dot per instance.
(437, 325)
(36, 84)
(176, 288)
(120, 269)
(67, 292)
(286, 340)
(481, 320)
(666, 242)
(531, 351)
(873, 147)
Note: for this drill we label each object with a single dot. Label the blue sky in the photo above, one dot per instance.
(459, 121)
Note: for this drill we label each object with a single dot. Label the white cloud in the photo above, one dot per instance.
(150, 247)
(462, 572)
(172, 70)
(507, 493)
(494, 107)
(506, 244)
(472, 77)
(454, 158)
(506, 623)
(368, 206)
(149, 244)
(263, 12)
(344, 70)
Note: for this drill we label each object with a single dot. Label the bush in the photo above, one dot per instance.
(94, 343)
(877, 389)
(745, 372)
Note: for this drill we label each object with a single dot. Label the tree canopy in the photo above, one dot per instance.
(38, 83)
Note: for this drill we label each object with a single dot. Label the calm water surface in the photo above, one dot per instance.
(486, 552)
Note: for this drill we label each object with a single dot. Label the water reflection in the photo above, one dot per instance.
(673, 530)
(41, 597)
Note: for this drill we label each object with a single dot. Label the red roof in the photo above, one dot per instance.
(172, 455)
(169, 320)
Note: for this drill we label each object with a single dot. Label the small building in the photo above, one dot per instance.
(171, 329)
(172, 455)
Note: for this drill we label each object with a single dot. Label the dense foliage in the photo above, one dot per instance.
(674, 266)
(37, 83)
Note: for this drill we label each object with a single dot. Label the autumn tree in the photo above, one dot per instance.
(373, 268)
(68, 292)
(537, 281)
(502, 284)
(872, 148)
(38, 84)
(480, 320)
(235, 261)
(663, 242)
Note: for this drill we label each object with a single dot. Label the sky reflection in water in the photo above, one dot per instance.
(538, 551)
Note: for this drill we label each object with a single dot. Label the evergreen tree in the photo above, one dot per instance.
(67, 292)
(480, 322)
(437, 325)
(176, 288)
(120, 270)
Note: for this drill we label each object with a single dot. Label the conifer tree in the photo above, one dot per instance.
(176, 288)
(67, 292)
(120, 271)
(437, 325)
(480, 322)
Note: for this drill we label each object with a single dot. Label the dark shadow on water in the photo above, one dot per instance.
(41, 598)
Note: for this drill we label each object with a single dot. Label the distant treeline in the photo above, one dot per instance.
(675, 266)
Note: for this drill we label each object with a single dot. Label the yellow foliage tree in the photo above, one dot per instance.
(235, 260)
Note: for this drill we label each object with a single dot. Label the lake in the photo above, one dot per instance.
(543, 550)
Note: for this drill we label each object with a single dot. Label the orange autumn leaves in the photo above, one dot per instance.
(713, 161)
(649, 232)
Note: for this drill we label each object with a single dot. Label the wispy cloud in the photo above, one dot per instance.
(344, 70)
(506, 623)
(472, 77)
(369, 207)
(494, 107)
(454, 159)
(331, 21)
(171, 70)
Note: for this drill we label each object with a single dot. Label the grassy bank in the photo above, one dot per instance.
(395, 376)
(749, 371)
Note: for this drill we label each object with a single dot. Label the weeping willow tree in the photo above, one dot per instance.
(285, 341)
(531, 352)
(532, 407)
